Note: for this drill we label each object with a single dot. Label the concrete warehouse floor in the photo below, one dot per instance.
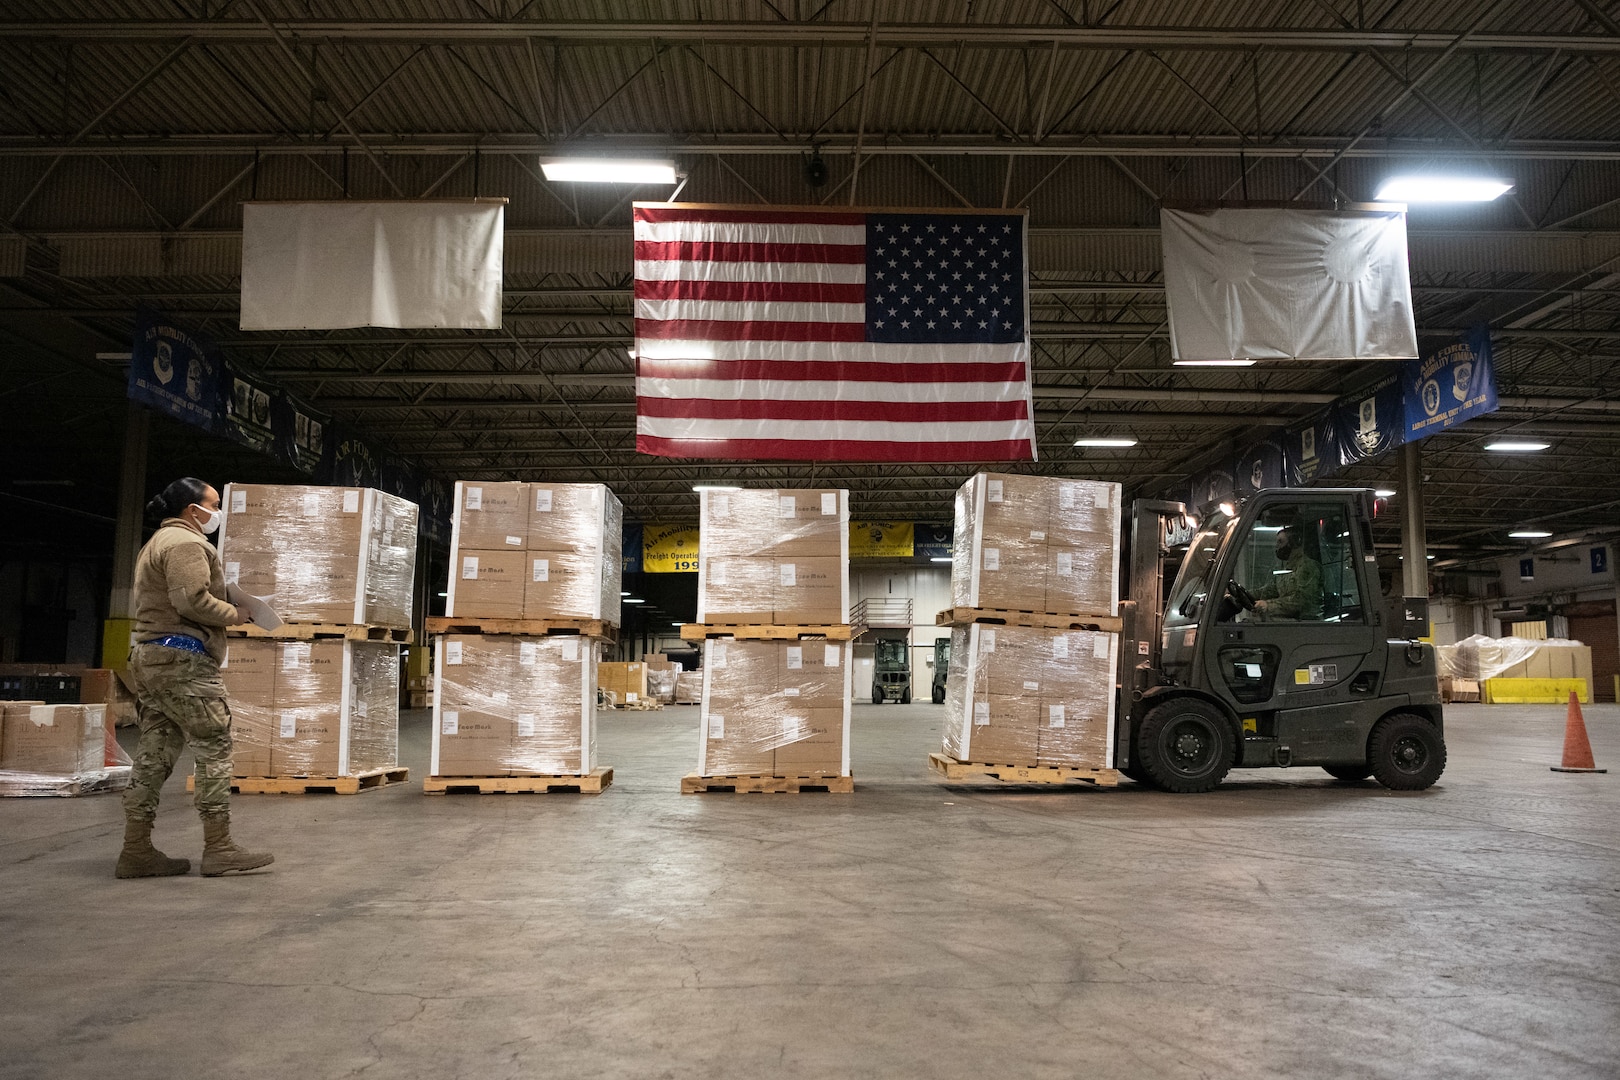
(1285, 925)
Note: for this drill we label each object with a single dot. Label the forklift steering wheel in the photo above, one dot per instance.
(1244, 598)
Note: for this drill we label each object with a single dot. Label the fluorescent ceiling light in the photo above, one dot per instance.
(633, 600)
(1529, 534)
(714, 487)
(1123, 441)
(1442, 189)
(624, 594)
(608, 170)
(444, 594)
(939, 558)
(1385, 493)
(1213, 363)
(1509, 446)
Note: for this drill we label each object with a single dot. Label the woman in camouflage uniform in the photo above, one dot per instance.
(180, 620)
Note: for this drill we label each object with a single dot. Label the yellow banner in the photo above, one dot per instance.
(881, 539)
(669, 549)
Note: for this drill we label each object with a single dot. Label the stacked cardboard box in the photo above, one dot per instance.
(535, 551)
(1021, 695)
(626, 682)
(775, 708)
(327, 707)
(1032, 543)
(50, 749)
(689, 688)
(114, 689)
(322, 554)
(508, 705)
(774, 556)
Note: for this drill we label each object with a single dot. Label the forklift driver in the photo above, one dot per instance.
(1295, 594)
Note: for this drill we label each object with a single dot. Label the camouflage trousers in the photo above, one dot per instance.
(180, 699)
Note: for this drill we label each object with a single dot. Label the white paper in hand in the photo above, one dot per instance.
(259, 611)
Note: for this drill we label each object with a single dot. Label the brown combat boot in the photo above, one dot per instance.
(140, 859)
(220, 856)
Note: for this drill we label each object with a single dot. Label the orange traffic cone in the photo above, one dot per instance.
(1577, 748)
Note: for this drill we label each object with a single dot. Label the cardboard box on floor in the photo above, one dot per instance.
(775, 708)
(53, 740)
(326, 707)
(514, 706)
(627, 681)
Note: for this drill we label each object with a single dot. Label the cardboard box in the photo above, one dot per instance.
(491, 516)
(811, 590)
(627, 680)
(689, 688)
(326, 707)
(506, 705)
(53, 740)
(775, 707)
(322, 554)
(569, 585)
(1031, 696)
(736, 589)
(104, 686)
(775, 523)
(1030, 543)
(488, 584)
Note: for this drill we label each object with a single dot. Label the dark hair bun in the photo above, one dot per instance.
(157, 508)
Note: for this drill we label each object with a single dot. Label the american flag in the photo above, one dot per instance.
(831, 335)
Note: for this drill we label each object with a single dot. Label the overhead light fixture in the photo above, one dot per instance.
(624, 594)
(1122, 441)
(714, 487)
(1522, 446)
(633, 600)
(444, 594)
(1385, 493)
(1442, 189)
(608, 170)
(939, 558)
(1529, 534)
(1213, 363)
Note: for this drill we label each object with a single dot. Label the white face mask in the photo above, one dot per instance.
(211, 525)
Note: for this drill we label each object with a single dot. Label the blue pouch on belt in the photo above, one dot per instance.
(183, 642)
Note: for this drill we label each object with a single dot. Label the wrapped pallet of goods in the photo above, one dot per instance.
(315, 702)
(1035, 630)
(773, 613)
(510, 706)
(48, 749)
(533, 597)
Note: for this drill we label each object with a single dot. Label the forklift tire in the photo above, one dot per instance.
(939, 695)
(1350, 774)
(877, 696)
(905, 696)
(1406, 752)
(1134, 772)
(1184, 746)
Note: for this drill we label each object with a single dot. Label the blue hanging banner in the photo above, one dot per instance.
(932, 542)
(1310, 450)
(1260, 466)
(300, 433)
(1454, 384)
(250, 411)
(632, 547)
(1210, 489)
(1371, 421)
(177, 373)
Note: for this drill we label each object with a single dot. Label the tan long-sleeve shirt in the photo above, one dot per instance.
(180, 588)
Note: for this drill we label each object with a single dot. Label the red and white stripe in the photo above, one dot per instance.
(750, 342)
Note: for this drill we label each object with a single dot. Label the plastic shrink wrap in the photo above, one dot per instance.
(322, 554)
(774, 556)
(327, 707)
(1033, 543)
(58, 750)
(774, 708)
(1025, 696)
(536, 551)
(507, 705)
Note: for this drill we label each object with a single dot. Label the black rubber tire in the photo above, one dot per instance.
(939, 695)
(905, 696)
(1406, 752)
(1134, 772)
(877, 696)
(1350, 774)
(1184, 746)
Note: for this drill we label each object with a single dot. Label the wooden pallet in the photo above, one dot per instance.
(590, 783)
(761, 632)
(311, 631)
(952, 769)
(639, 706)
(597, 628)
(313, 785)
(1045, 620)
(693, 784)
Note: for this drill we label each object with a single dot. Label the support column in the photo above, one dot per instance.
(126, 537)
(1414, 549)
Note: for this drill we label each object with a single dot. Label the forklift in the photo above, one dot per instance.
(891, 671)
(1273, 649)
(942, 667)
